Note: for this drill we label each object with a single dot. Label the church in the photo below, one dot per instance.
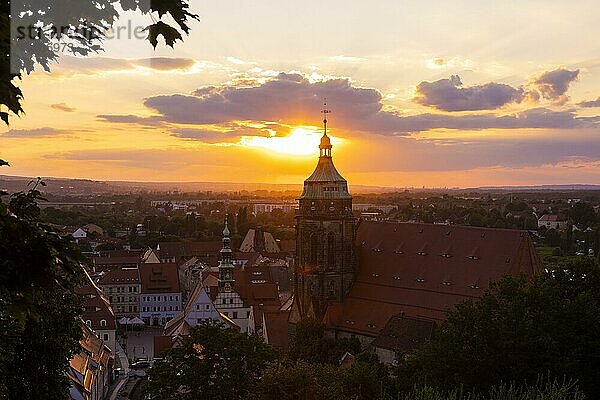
(389, 283)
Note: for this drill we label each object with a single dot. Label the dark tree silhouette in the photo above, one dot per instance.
(32, 32)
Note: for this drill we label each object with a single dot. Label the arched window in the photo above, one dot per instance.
(331, 289)
(314, 249)
(102, 322)
(88, 323)
(331, 251)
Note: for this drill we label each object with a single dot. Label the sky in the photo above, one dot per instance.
(436, 94)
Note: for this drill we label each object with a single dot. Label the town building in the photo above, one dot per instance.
(553, 221)
(269, 207)
(360, 277)
(199, 308)
(259, 241)
(98, 314)
(122, 288)
(90, 369)
(160, 297)
(228, 301)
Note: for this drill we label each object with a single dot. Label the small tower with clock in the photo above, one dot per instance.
(325, 233)
(226, 280)
(228, 301)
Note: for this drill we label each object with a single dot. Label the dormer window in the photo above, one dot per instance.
(102, 322)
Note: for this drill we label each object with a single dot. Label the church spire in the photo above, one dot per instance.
(226, 280)
(325, 145)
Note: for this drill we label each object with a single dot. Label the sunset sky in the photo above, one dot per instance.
(437, 93)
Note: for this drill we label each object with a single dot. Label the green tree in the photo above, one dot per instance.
(519, 330)
(310, 344)
(301, 381)
(39, 310)
(214, 362)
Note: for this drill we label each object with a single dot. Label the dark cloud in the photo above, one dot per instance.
(165, 63)
(63, 107)
(35, 133)
(90, 65)
(450, 95)
(131, 119)
(287, 97)
(553, 85)
(213, 136)
(291, 99)
(590, 103)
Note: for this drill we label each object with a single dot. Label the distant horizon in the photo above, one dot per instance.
(421, 94)
(574, 186)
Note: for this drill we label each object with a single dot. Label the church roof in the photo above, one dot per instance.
(325, 182)
(423, 270)
(325, 172)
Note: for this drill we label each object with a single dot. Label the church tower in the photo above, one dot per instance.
(226, 265)
(325, 232)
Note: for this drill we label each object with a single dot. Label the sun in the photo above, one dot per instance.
(302, 141)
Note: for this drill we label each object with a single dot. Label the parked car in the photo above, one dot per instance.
(143, 364)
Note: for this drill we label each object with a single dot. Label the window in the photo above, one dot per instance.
(330, 250)
(207, 307)
(105, 337)
(235, 315)
(88, 323)
(102, 322)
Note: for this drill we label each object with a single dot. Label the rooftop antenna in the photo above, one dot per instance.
(325, 111)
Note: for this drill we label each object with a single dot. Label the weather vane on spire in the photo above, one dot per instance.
(325, 111)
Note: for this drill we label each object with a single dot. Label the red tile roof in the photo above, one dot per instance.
(423, 270)
(120, 276)
(256, 288)
(159, 278)
(276, 328)
(96, 308)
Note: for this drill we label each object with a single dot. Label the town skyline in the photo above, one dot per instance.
(419, 101)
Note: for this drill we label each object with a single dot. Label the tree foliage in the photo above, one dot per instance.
(310, 344)
(214, 362)
(39, 311)
(81, 26)
(518, 331)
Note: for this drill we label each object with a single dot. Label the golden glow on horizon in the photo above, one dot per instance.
(302, 141)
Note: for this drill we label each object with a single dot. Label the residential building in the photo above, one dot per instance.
(199, 308)
(160, 297)
(553, 221)
(122, 287)
(98, 315)
(90, 369)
